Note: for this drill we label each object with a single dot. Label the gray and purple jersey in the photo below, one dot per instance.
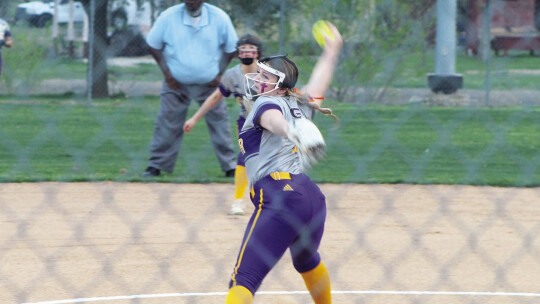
(4, 33)
(265, 152)
(290, 209)
(4, 29)
(233, 82)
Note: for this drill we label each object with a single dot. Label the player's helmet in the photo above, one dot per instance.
(251, 39)
(285, 65)
(281, 66)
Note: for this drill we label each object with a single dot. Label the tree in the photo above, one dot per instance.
(248, 13)
(4, 8)
(97, 56)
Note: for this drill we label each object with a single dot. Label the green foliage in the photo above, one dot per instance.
(388, 44)
(253, 16)
(381, 54)
(379, 36)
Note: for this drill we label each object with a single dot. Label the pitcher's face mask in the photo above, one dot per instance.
(264, 82)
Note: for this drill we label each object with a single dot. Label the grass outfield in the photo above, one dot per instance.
(54, 139)
(512, 72)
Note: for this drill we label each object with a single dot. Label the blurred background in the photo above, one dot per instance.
(389, 45)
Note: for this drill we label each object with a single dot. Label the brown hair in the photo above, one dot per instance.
(303, 99)
(287, 66)
(251, 39)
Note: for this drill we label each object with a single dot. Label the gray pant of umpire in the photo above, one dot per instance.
(168, 130)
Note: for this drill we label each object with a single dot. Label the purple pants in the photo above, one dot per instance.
(289, 214)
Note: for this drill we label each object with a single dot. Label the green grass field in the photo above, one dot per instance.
(510, 72)
(54, 139)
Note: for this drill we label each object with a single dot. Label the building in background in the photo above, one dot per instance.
(515, 25)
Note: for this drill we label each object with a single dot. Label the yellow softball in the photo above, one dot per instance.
(320, 29)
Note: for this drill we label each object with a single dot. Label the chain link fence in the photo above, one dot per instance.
(82, 234)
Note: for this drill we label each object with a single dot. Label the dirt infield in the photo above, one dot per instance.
(156, 243)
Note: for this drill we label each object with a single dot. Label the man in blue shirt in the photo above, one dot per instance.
(192, 43)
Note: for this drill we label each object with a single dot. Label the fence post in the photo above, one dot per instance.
(281, 26)
(71, 30)
(55, 30)
(485, 46)
(89, 70)
(445, 79)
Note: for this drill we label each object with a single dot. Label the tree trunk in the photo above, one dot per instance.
(485, 37)
(4, 9)
(97, 70)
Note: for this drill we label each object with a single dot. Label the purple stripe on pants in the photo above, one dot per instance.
(292, 219)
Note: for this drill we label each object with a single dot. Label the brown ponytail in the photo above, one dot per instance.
(303, 99)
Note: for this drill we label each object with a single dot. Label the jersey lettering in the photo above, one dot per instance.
(295, 112)
(241, 144)
(250, 142)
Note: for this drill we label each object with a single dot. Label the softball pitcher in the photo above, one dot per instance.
(290, 210)
(5, 39)
(249, 49)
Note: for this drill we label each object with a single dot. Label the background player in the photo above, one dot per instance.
(249, 49)
(5, 39)
(290, 210)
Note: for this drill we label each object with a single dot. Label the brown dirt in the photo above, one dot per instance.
(88, 240)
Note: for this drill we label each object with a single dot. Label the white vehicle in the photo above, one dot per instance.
(128, 13)
(40, 13)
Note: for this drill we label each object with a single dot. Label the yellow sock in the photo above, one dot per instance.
(239, 295)
(318, 283)
(240, 182)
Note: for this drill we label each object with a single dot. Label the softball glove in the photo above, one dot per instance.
(308, 140)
